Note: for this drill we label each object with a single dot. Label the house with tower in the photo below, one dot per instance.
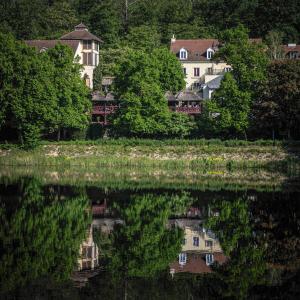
(84, 44)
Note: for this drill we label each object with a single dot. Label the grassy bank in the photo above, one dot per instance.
(156, 178)
(166, 154)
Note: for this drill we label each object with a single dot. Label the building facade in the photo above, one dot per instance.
(202, 73)
(85, 47)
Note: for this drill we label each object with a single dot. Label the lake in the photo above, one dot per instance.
(206, 235)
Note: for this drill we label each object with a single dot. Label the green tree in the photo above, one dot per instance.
(247, 57)
(228, 111)
(144, 111)
(143, 245)
(234, 228)
(105, 22)
(278, 107)
(26, 83)
(40, 235)
(231, 105)
(73, 103)
(274, 43)
(144, 37)
(171, 77)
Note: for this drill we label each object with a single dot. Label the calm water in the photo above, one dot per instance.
(87, 242)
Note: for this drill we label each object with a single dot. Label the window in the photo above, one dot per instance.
(96, 59)
(182, 258)
(208, 243)
(209, 53)
(87, 80)
(294, 54)
(183, 241)
(210, 71)
(209, 259)
(87, 59)
(196, 241)
(196, 72)
(183, 54)
(184, 71)
(227, 69)
(87, 45)
(96, 46)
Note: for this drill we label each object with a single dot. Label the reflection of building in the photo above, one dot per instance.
(200, 248)
(88, 261)
(88, 258)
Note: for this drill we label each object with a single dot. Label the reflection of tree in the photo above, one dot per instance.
(144, 245)
(246, 265)
(278, 221)
(40, 235)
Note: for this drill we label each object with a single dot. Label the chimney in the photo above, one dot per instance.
(173, 39)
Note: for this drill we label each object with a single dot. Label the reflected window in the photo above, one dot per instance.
(209, 259)
(196, 241)
(182, 258)
(208, 243)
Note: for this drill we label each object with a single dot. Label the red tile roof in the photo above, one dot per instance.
(291, 48)
(46, 44)
(196, 263)
(196, 48)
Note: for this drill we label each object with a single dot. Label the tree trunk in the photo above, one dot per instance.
(58, 135)
(245, 135)
(64, 133)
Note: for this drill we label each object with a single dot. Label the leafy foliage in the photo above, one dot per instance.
(246, 265)
(144, 245)
(40, 235)
(141, 81)
(278, 108)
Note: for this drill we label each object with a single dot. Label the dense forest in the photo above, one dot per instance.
(258, 99)
(113, 19)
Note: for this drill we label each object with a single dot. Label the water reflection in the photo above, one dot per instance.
(164, 244)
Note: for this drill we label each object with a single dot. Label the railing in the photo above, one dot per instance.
(186, 109)
(104, 110)
(215, 71)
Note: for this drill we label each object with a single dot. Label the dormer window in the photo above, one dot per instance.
(209, 259)
(182, 258)
(183, 54)
(209, 53)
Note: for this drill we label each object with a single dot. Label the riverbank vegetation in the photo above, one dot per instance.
(169, 154)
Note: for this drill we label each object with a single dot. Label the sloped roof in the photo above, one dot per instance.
(196, 263)
(184, 95)
(46, 44)
(215, 83)
(196, 48)
(291, 48)
(80, 33)
(97, 96)
(187, 96)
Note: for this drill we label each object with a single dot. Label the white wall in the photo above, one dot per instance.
(203, 65)
(88, 70)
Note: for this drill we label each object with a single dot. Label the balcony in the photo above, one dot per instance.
(215, 71)
(194, 110)
(104, 110)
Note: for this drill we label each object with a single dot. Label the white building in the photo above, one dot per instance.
(85, 47)
(201, 71)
